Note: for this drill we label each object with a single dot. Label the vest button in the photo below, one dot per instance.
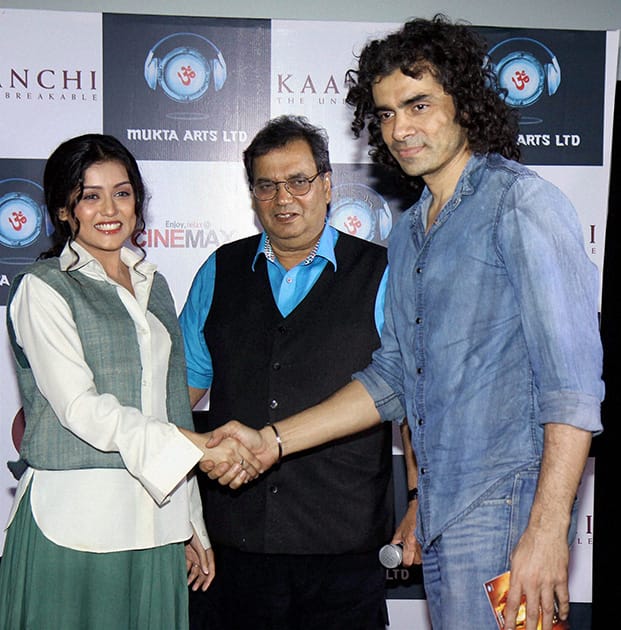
(274, 489)
(273, 404)
(282, 330)
(276, 365)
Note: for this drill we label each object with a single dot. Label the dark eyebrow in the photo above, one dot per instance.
(414, 99)
(294, 175)
(406, 103)
(123, 183)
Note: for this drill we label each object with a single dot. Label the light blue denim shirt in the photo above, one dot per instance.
(491, 331)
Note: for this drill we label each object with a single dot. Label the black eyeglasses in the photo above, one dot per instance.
(297, 186)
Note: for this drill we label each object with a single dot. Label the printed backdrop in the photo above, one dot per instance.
(186, 95)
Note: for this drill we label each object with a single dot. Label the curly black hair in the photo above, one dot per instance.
(455, 55)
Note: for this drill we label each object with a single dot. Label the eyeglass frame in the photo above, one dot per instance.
(310, 181)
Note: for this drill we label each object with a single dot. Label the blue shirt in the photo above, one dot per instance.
(491, 332)
(289, 288)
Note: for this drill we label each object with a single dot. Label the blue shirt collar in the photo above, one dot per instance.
(468, 180)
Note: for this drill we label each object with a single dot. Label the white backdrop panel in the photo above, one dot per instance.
(309, 62)
(50, 79)
(193, 209)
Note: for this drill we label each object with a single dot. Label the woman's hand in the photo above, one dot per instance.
(200, 564)
(228, 460)
(263, 444)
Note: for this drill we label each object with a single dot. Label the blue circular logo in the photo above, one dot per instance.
(359, 210)
(21, 214)
(185, 65)
(525, 69)
(522, 76)
(185, 74)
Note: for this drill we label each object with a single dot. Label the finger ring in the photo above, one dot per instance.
(243, 461)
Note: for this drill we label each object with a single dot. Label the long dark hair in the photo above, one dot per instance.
(63, 183)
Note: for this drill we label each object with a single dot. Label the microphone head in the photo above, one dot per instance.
(390, 556)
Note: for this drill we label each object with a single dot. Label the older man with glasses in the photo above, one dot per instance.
(274, 323)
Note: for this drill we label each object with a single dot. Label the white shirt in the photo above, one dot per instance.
(149, 503)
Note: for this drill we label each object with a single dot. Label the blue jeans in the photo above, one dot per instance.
(474, 549)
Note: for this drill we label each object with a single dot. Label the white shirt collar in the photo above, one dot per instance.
(90, 266)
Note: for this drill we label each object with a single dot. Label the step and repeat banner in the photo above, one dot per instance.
(187, 94)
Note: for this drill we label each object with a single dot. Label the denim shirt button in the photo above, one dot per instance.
(418, 320)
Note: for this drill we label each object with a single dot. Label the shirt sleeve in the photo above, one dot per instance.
(155, 452)
(541, 244)
(196, 512)
(380, 301)
(383, 378)
(192, 321)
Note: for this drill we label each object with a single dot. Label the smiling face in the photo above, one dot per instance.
(294, 224)
(418, 125)
(106, 212)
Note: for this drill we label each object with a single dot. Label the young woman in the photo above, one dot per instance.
(106, 529)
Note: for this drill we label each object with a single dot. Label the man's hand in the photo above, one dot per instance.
(540, 560)
(261, 443)
(404, 534)
(228, 460)
(539, 571)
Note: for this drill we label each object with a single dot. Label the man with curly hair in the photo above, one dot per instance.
(491, 343)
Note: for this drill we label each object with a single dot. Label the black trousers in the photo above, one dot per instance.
(292, 592)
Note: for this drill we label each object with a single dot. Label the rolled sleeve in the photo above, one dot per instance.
(386, 400)
(578, 410)
(383, 378)
(541, 243)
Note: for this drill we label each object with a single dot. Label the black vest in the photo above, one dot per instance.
(337, 498)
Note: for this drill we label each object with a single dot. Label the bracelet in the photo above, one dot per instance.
(278, 441)
(412, 494)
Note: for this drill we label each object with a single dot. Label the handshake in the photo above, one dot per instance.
(235, 454)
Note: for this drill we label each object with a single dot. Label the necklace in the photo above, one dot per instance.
(269, 251)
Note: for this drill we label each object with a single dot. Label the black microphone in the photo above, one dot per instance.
(391, 555)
